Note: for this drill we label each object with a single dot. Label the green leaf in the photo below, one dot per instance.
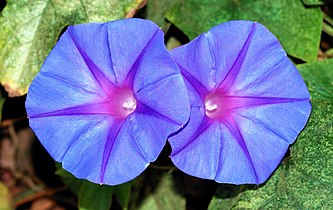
(157, 190)
(298, 28)
(30, 28)
(305, 179)
(123, 193)
(91, 196)
(5, 202)
(94, 196)
(2, 101)
(156, 11)
(319, 79)
(314, 2)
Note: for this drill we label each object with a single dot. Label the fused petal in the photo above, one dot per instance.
(259, 101)
(129, 39)
(202, 72)
(103, 102)
(167, 99)
(195, 150)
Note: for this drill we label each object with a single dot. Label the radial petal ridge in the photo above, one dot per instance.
(231, 37)
(129, 79)
(168, 97)
(201, 90)
(144, 109)
(231, 103)
(120, 39)
(204, 125)
(235, 131)
(86, 109)
(112, 136)
(203, 70)
(104, 83)
(199, 157)
(106, 99)
(254, 94)
(95, 37)
(236, 66)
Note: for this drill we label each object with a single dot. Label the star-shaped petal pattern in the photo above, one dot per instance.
(248, 104)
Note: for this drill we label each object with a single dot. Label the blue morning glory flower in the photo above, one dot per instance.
(248, 104)
(106, 99)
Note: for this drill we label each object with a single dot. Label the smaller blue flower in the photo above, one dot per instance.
(248, 104)
(106, 99)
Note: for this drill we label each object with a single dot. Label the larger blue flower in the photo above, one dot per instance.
(248, 103)
(106, 98)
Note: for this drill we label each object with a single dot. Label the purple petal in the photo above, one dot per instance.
(229, 44)
(195, 149)
(251, 152)
(260, 64)
(262, 82)
(138, 142)
(50, 92)
(200, 73)
(103, 101)
(128, 40)
(259, 102)
(98, 61)
(168, 98)
(60, 134)
(234, 70)
(235, 162)
(83, 160)
(285, 119)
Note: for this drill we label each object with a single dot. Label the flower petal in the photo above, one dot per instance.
(125, 54)
(93, 48)
(250, 153)
(69, 101)
(168, 98)
(50, 92)
(255, 64)
(138, 142)
(235, 164)
(195, 150)
(155, 64)
(285, 119)
(203, 70)
(262, 104)
(60, 134)
(262, 81)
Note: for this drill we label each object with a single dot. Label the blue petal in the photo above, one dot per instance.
(155, 64)
(203, 69)
(67, 102)
(49, 92)
(284, 119)
(267, 132)
(57, 133)
(250, 152)
(65, 80)
(195, 150)
(138, 143)
(125, 54)
(260, 65)
(229, 44)
(166, 99)
(235, 164)
(91, 41)
(265, 104)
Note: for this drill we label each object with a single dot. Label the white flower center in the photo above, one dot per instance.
(129, 105)
(210, 106)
